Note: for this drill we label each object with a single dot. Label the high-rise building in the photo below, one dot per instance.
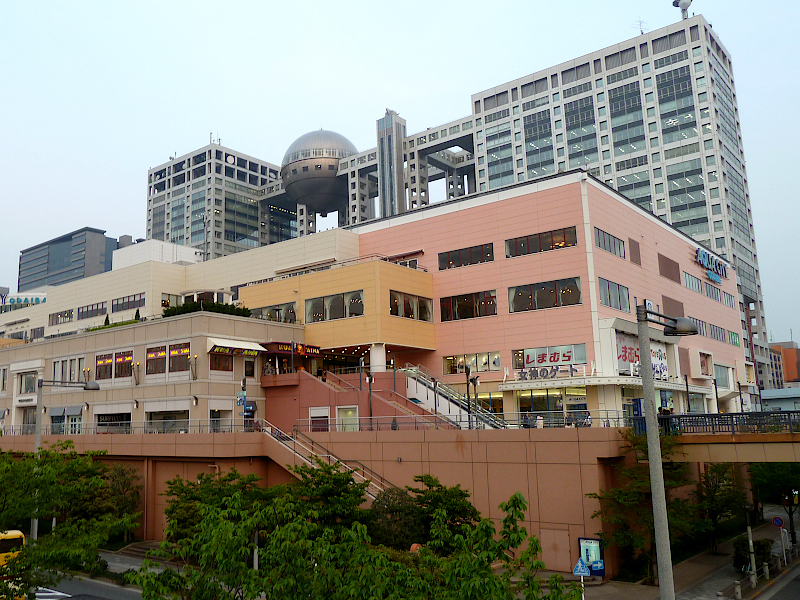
(211, 199)
(776, 362)
(789, 359)
(69, 257)
(655, 116)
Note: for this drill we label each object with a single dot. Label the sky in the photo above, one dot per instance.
(93, 94)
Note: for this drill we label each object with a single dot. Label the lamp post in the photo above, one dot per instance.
(677, 327)
(469, 410)
(37, 443)
(753, 577)
(474, 381)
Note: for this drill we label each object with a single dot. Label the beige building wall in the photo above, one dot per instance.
(376, 278)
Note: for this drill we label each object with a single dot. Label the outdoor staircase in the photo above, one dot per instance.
(305, 450)
(482, 416)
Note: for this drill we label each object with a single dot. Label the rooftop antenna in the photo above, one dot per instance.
(639, 24)
(684, 6)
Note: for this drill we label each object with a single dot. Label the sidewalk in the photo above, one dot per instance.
(697, 578)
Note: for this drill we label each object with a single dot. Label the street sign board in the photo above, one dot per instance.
(581, 569)
(778, 522)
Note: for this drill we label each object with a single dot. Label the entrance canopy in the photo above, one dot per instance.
(233, 347)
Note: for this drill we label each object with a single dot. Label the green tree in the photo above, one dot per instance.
(395, 520)
(719, 496)
(52, 484)
(330, 492)
(303, 559)
(210, 489)
(776, 483)
(454, 501)
(627, 507)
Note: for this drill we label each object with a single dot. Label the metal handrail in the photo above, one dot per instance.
(366, 472)
(418, 373)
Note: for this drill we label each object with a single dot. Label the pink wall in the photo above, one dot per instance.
(529, 213)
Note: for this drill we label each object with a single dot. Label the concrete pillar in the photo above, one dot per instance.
(377, 358)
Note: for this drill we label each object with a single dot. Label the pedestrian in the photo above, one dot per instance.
(587, 421)
(539, 422)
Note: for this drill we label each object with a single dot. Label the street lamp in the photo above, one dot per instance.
(673, 327)
(469, 409)
(40, 383)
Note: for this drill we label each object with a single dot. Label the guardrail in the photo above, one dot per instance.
(139, 427)
(726, 423)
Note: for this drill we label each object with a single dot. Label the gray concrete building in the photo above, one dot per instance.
(69, 257)
(655, 117)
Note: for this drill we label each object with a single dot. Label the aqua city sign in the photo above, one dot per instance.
(715, 268)
(23, 299)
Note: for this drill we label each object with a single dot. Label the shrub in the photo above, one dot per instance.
(741, 552)
(396, 520)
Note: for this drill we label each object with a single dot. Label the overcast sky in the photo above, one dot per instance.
(92, 94)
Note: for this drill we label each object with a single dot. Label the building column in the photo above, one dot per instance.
(377, 358)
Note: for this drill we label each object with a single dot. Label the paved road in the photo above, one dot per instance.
(787, 589)
(79, 588)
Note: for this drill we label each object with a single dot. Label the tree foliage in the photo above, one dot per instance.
(719, 496)
(627, 507)
(217, 307)
(58, 483)
(211, 489)
(775, 483)
(396, 520)
(454, 501)
(301, 558)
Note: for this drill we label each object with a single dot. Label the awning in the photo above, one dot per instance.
(233, 347)
(68, 411)
(286, 348)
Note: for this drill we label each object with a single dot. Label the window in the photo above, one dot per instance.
(249, 367)
(541, 242)
(609, 243)
(466, 256)
(221, 362)
(92, 310)
(179, 355)
(547, 294)
(410, 306)
(3, 379)
(573, 354)
(479, 362)
(721, 371)
(27, 383)
(713, 292)
(701, 326)
(335, 306)
(729, 300)
(614, 295)
(717, 333)
(103, 366)
(64, 316)
(733, 338)
(284, 313)
(123, 364)
(693, 283)
(127, 303)
(468, 306)
(156, 360)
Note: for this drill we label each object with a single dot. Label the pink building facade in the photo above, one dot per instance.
(535, 289)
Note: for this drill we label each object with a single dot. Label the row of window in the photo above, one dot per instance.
(335, 306)
(410, 306)
(696, 285)
(480, 362)
(715, 332)
(94, 310)
(466, 256)
(609, 243)
(119, 365)
(541, 242)
(614, 295)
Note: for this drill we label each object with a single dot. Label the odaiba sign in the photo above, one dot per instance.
(23, 298)
(714, 266)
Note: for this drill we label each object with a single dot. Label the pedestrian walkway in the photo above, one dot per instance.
(697, 578)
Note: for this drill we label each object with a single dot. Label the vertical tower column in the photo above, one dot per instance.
(377, 358)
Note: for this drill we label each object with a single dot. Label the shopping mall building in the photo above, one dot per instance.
(360, 339)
